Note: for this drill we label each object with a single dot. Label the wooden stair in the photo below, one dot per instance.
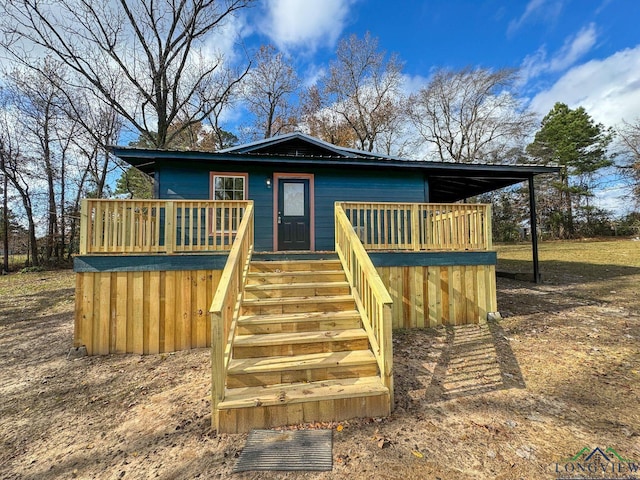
(300, 353)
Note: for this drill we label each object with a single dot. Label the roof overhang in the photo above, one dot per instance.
(448, 182)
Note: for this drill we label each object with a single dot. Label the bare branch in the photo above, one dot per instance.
(152, 49)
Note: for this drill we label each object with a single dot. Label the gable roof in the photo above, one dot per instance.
(448, 182)
(299, 144)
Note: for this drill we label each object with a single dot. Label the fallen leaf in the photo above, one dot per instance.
(339, 428)
(417, 454)
(383, 443)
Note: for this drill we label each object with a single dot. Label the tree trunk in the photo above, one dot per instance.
(5, 224)
(63, 216)
(33, 244)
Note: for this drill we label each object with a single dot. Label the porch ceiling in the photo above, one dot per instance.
(447, 189)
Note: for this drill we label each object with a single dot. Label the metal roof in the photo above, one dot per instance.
(448, 182)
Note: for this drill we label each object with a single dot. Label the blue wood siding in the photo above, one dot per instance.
(177, 182)
(174, 181)
(359, 186)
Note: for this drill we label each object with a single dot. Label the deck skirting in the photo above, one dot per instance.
(144, 312)
(429, 296)
(150, 304)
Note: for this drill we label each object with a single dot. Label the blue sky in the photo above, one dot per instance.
(580, 52)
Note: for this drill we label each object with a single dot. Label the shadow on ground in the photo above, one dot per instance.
(475, 359)
(440, 364)
(567, 273)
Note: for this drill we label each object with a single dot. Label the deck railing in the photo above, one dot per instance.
(370, 294)
(421, 226)
(158, 226)
(225, 306)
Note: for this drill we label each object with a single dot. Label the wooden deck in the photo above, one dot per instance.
(293, 339)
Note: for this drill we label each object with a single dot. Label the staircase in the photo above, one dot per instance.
(300, 353)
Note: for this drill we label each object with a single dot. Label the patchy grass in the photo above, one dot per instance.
(503, 400)
(605, 271)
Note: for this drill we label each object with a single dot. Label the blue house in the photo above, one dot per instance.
(292, 259)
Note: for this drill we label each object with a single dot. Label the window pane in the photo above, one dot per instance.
(293, 199)
(228, 187)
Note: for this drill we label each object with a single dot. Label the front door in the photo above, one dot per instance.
(294, 218)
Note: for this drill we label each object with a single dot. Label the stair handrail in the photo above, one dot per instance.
(225, 307)
(371, 296)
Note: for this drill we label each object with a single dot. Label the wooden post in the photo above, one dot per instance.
(488, 235)
(218, 345)
(533, 219)
(84, 226)
(387, 350)
(169, 227)
(415, 227)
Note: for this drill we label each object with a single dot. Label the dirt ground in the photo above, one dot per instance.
(505, 400)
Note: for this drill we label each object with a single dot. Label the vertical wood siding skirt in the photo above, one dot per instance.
(428, 296)
(144, 312)
(125, 304)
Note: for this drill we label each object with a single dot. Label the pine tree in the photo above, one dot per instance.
(571, 140)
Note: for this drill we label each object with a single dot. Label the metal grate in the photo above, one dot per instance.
(296, 450)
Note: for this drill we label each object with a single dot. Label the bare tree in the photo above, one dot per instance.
(323, 122)
(5, 223)
(36, 101)
(152, 50)
(470, 115)
(269, 87)
(364, 89)
(629, 134)
(18, 172)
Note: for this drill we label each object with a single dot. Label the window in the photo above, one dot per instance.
(230, 186)
(227, 186)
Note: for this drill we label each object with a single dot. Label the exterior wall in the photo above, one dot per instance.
(361, 186)
(144, 312)
(173, 181)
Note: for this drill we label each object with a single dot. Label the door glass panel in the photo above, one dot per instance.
(293, 199)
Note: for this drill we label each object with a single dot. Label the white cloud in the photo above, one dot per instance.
(608, 89)
(413, 83)
(313, 74)
(574, 48)
(536, 9)
(225, 40)
(308, 24)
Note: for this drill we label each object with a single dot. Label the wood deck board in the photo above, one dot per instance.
(328, 299)
(297, 273)
(298, 337)
(301, 362)
(297, 317)
(295, 286)
(297, 393)
(275, 276)
(300, 376)
(241, 420)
